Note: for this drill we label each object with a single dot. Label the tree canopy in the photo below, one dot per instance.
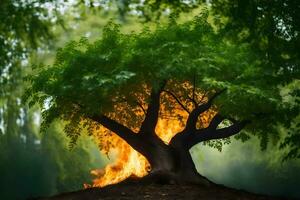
(92, 78)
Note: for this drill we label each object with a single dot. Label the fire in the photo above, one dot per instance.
(167, 128)
(128, 162)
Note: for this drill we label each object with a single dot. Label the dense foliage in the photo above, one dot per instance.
(89, 78)
(273, 31)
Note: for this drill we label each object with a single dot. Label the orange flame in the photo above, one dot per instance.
(129, 163)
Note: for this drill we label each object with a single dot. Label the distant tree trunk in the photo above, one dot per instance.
(172, 162)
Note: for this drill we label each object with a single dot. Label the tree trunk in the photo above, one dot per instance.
(171, 163)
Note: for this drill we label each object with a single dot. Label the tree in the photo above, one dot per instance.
(23, 27)
(126, 82)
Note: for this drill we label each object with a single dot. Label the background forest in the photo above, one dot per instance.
(35, 163)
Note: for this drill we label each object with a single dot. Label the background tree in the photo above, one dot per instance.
(30, 164)
(147, 10)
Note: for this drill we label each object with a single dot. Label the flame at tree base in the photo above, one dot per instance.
(128, 163)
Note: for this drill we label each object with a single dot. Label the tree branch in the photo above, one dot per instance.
(203, 96)
(194, 87)
(141, 106)
(124, 100)
(136, 141)
(122, 131)
(178, 101)
(151, 118)
(226, 132)
(216, 120)
(193, 117)
(210, 134)
(113, 125)
(192, 100)
(216, 95)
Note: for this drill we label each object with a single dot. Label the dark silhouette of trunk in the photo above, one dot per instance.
(172, 163)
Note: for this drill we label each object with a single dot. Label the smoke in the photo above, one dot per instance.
(245, 166)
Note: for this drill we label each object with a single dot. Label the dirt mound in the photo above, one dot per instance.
(132, 191)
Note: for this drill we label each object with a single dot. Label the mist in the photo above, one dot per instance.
(33, 165)
(245, 166)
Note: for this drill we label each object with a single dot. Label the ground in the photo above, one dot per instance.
(136, 190)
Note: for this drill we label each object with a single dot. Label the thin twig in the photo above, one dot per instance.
(178, 101)
(141, 106)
